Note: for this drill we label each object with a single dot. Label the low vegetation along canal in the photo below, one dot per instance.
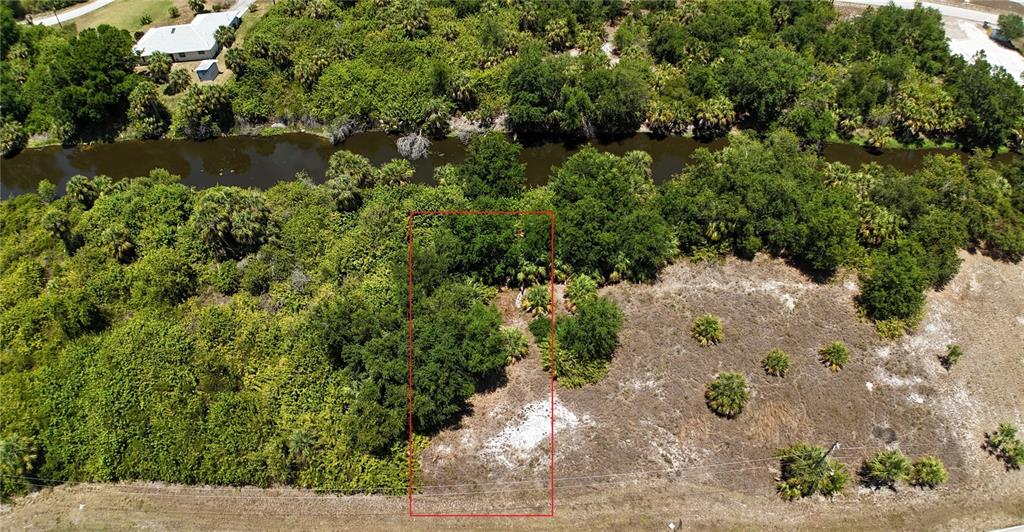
(255, 161)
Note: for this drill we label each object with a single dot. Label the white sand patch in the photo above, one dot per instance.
(870, 386)
(787, 293)
(887, 378)
(608, 48)
(915, 398)
(639, 385)
(883, 351)
(933, 335)
(1020, 319)
(850, 285)
(530, 429)
(967, 38)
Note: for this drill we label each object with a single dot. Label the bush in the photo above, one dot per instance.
(707, 330)
(178, 80)
(514, 344)
(727, 394)
(1006, 445)
(806, 471)
(928, 472)
(580, 287)
(776, 363)
(952, 356)
(834, 356)
(538, 300)
(885, 469)
(173, 12)
(145, 20)
(893, 288)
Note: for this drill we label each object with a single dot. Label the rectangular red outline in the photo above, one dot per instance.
(551, 336)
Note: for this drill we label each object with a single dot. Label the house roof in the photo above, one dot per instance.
(197, 36)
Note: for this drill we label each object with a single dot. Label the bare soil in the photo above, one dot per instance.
(640, 448)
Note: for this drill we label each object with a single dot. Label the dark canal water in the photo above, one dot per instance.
(253, 161)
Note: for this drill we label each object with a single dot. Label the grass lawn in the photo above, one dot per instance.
(125, 14)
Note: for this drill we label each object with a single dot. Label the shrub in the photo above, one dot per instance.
(173, 12)
(145, 20)
(805, 470)
(1006, 445)
(776, 363)
(707, 330)
(885, 469)
(952, 356)
(928, 472)
(580, 287)
(834, 356)
(727, 394)
(538, 300)
(514, 344)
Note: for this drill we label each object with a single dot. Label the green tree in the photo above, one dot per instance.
(12, 138)
(893, 287)
(178, 80)
(492, 168)
(17, 460)
(147, 115)
(727, 394)
(197, 6)
(203, 112)
(159, 66)
(225, 36)
(231, 222)
(1012, 25)
(763, 80)
(161, 277)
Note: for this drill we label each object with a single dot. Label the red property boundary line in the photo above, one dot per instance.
(551, 216)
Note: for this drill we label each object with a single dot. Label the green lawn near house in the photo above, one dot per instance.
(127, 14)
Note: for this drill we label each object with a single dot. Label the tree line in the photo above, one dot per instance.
(881, 78)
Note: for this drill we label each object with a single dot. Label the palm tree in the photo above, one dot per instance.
(225, 36)
(82, 190)
(714, 116)
(197, 6)
(727, 394)
(119, 243)
(878, 224)
(159, 66)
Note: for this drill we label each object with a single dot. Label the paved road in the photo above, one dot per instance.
(72, 13)
(96, 4)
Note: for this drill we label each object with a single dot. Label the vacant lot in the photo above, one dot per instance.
(641, 448)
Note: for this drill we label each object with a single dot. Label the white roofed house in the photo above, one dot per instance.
(194, 41)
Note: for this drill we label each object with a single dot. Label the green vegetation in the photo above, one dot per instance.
(727, 393)
(928, 472)
(882, 77)
(776, 363)
(584, 342)
(707, 330)
(834, 356)
(1011, 25)
(1006, 445)
(951, 356)
(806, 471)
(886, 468)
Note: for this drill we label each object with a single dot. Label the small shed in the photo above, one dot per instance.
(207, 70)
